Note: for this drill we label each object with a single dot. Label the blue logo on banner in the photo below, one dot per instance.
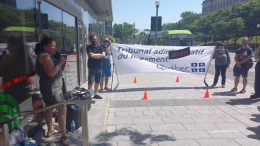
(194, 70)
(194, 64)
(198, 67)
(202, 70)
(202, 64)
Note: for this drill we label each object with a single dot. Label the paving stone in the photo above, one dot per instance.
(164, 113)
(123, 114)
(230, 126)
(123, 121)
(190, 134)
(143, 128)
(141, 109)
(207, 120)
(248, 142)
(179, 143)
(229, 119)
(200, 126)
(178, 112)
(166, 127)
(217, 142)
(177, 120)
(226, 134)
(147, 121)
(167, 108)
(150, 113)
(111, 129)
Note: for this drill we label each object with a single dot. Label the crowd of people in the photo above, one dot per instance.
(50, 64)
(243, 63)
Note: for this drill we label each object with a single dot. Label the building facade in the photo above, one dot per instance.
(209, 6)
(69, 22)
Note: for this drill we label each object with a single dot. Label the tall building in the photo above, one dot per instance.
(209, 6)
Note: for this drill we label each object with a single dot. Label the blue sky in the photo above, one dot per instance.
(140, 11)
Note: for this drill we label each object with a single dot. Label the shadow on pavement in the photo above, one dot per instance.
(135, 137)
(156, 89)
(256, 130)
(225, 93)
(242, 101)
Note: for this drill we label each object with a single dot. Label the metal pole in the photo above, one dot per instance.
(40, 20)
(4, 135)
(84, 115)
(113, 76)
(156, 24)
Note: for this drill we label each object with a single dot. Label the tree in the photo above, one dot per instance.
(235, 27)
(188, 18)
(124, 33)
(201, 37)
(221, 28)
(112, 39)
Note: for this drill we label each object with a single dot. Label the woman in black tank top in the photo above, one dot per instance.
(49, 70)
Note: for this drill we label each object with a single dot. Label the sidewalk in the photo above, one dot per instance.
(174, 114)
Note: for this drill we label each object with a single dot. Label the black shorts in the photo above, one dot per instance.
(94, 75)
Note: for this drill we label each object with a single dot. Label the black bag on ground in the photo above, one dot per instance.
(73, 113)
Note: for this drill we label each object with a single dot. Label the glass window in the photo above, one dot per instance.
(50, 22)
(17, 36)
(70, 48)
(69, 33)
(14, 16)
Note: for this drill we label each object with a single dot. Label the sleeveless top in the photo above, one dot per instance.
(49, 86)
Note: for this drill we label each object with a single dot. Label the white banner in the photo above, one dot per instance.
(141, 59)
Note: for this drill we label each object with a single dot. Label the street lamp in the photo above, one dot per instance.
(157, 4)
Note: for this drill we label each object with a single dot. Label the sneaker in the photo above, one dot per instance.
(108, 89)
(234, 90)
(242, 91)
(223, 86)
(101, 90)
(254, 97)
(213, 85)
(97, 96)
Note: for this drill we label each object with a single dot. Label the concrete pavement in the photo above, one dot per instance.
(174, 114)
(177, 114)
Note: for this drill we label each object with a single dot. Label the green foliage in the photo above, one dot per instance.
(234, 22)
(112, 39)
(125, 32)
(142, 38)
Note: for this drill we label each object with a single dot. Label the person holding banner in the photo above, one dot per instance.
(244, 62)
(222, 62)
(257, 75)
(106, 66)
(96, 54)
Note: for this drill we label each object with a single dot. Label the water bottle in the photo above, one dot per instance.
(29, 142)
(16, 137)
(72, 126)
